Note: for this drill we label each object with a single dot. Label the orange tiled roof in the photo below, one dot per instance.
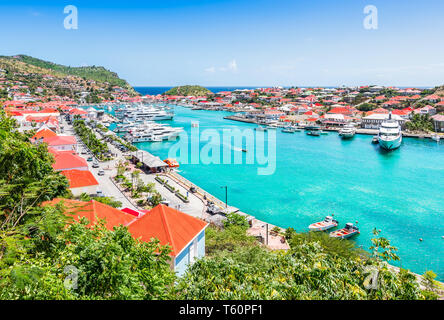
(80, 178)
(67, 160)
(60, 140)
(45, 133)
(170, 226)
(93, 210)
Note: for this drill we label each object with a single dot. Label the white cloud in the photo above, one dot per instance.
(210, 69)
(231, 66)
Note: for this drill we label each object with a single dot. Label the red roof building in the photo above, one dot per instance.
(169, 225)
(93, 211)
(80, 178)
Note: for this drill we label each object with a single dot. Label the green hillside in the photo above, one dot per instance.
(188, 91)
(99, 74)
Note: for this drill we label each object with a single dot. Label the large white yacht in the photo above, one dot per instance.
(142, 113)
(347, 131)
(152, 132)
(390, 135)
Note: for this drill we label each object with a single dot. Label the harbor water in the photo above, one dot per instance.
(398, 192)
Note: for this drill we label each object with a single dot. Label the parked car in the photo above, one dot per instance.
(90, 159)
(100, 193)
(101, 173)
(165, 202)
(95, 165)
(84, 151)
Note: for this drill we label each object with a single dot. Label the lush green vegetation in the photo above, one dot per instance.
(420, 122)
(316, 267)
(366, 107)
(45, 255)
(188, 91)
(106, 200)
(26, 174)
(97, 147)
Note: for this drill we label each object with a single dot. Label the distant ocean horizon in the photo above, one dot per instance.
(154, 90)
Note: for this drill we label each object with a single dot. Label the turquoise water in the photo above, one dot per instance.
(400, 192)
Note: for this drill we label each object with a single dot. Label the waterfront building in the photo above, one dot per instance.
(183, 233)
(149, 162)
(374, 120)
(438, 121)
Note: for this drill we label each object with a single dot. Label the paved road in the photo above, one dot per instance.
(194, 208)
(105, 185)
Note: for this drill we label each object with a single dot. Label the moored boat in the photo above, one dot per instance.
(326, 224)
(347, 132)
(260, 128)
(315, 133)
(435, 137)
(172, 163)
(390, 136)
(347, 232)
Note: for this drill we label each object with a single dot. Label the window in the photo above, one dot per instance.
(193, 250)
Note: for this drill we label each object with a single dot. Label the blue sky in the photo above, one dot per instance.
(236, 43)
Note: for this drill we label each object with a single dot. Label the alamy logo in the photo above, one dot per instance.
(72, 277)
(231, 146)
(371, 281)
(371, 20)
(71, 21)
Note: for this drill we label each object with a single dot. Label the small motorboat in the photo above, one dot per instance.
(260, 128)
(172, 163)
(315, 133)
(327, 224)
(244, 150)
(345, 233)
(435, 137)
(289, 130)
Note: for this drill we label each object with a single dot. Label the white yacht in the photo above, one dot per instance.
(142, 113)
(347, 131)
(390, 135)
(152, 133)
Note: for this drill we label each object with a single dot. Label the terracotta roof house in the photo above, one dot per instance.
(426, 110)
(43, 133)
(68, 160)
(61, 143)
(93, 211)
(81, 181)
(183, 233)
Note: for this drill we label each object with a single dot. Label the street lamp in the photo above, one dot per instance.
(226, 196)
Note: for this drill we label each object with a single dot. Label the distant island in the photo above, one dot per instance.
(188, 91)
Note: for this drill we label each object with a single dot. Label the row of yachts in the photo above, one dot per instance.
(148, 131)
(389, 135)
(138, 123)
